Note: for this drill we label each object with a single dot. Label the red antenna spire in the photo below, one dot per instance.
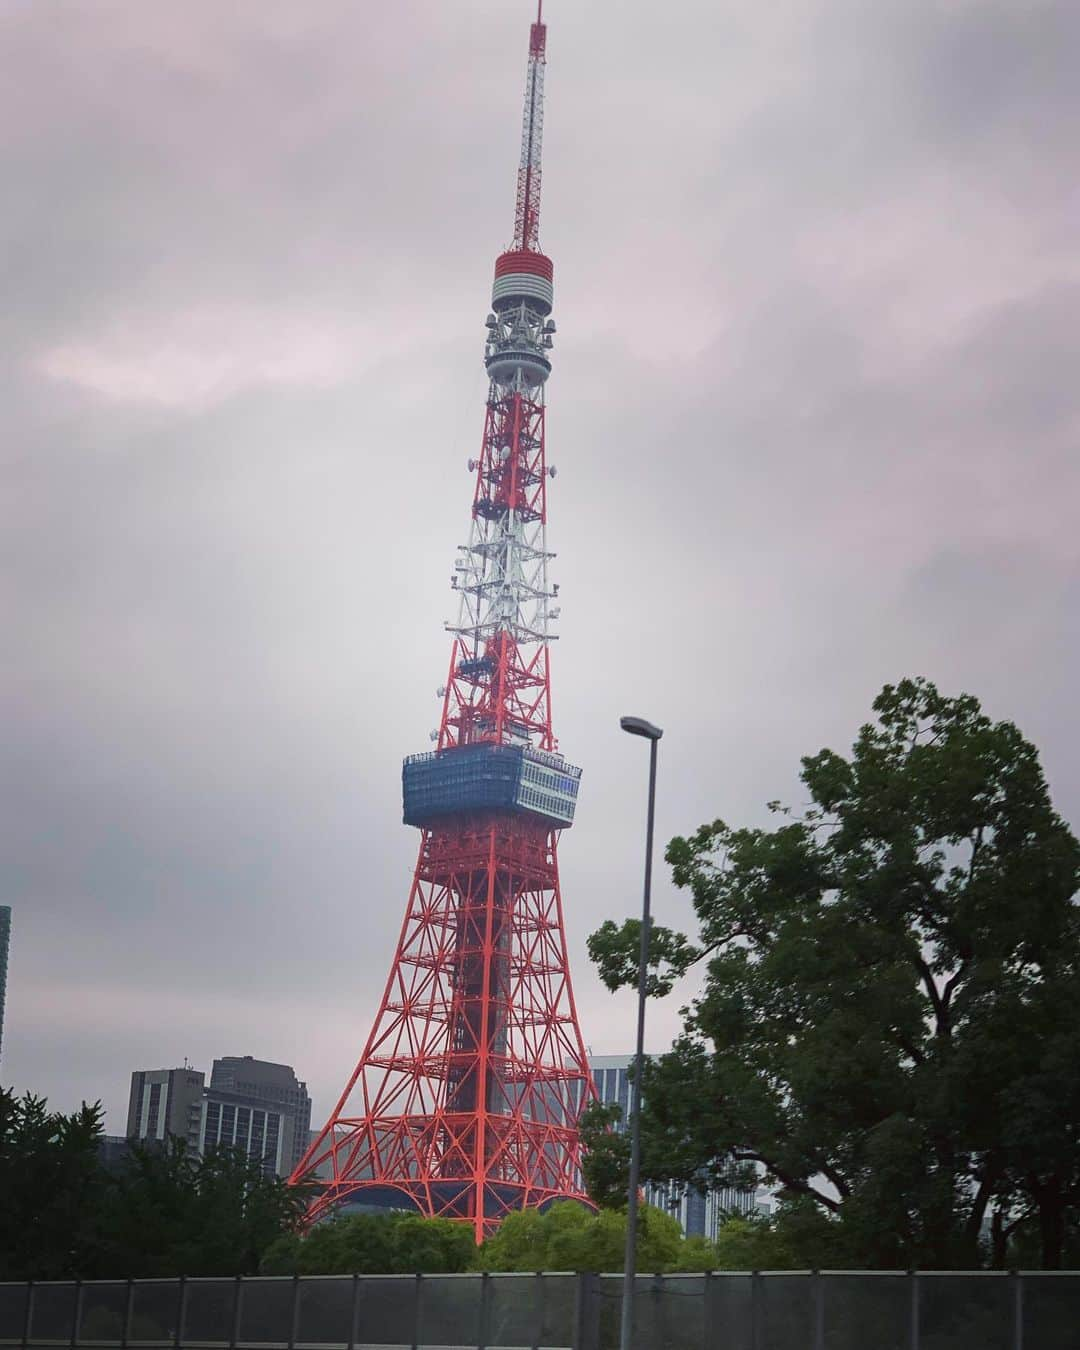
(527, 212)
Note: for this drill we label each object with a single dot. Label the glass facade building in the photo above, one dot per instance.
(259, 1106)
(257, 1130)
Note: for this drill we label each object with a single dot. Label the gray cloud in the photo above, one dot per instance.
(814, 415)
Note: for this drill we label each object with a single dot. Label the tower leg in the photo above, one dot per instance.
(466, 1100)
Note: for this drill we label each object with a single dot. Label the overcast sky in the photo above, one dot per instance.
(815, 410)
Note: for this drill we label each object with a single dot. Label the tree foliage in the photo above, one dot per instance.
(363, 1244)
(606, 1162)
(890, 1021)
(569, 1237)
(163, 1212)
(169, 1212)
(51, 1187)
(166, 1212)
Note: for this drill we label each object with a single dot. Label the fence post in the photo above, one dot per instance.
(708, 1312)
(484, 1312)
(418, 1312)
(660, 1306)
(819, 1310)
(294, 1315)
(755, 1310)
(538, 1310)
(28, 1312)
(238, 1309)
(916, 1339)
(355, 1318)
(181, 1311)
(76, 1314)
(1018, 1310)
(129, 1307)
(585, 1312)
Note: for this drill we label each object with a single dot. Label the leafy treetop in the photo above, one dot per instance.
(889, 1021)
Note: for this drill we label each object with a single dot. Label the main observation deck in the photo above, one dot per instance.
(466, 779)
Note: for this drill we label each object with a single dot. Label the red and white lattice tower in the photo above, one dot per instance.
(466, 1098)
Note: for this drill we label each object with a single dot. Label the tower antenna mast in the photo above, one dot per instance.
(527, 211)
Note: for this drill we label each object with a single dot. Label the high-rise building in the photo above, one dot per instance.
(699, 1212)
(250, 1104)
(165, 1102)
(5, 944)
(258, 1106)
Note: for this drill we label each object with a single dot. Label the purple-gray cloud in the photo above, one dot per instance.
(814, 411)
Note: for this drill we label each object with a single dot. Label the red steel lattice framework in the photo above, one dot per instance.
(466, 1098)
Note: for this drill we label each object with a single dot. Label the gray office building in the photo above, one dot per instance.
(257, 1106)
(5, 945)
(249, 1104)
(165, 1102)
(699, 1213)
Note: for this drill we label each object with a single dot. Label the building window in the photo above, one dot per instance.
(273, 1129)
(154, 1112)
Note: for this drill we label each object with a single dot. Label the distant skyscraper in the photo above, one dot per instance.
(5, 943)
(165, 1102)
(700, 1214)
(260, 1107)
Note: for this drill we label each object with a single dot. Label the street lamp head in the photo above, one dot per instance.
(637, 726)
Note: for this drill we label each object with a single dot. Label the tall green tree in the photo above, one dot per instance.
(51, 1188)
(890, 1017)
(163, 1212)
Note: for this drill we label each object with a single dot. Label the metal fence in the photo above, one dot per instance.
(811, 1310)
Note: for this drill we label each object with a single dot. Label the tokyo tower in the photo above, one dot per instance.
(466, 1098)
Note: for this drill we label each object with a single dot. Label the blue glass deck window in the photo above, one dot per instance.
(474, 778)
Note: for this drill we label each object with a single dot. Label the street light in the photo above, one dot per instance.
(637, 726)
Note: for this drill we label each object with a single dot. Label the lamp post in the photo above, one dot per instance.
(637, 726)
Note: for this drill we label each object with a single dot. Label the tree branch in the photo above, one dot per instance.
(910, 1048)
(720, 942)
(976, 847)
(951, 983)
(795, 1184)
(982, 1198)
(941, 1012)
(827, 1170)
